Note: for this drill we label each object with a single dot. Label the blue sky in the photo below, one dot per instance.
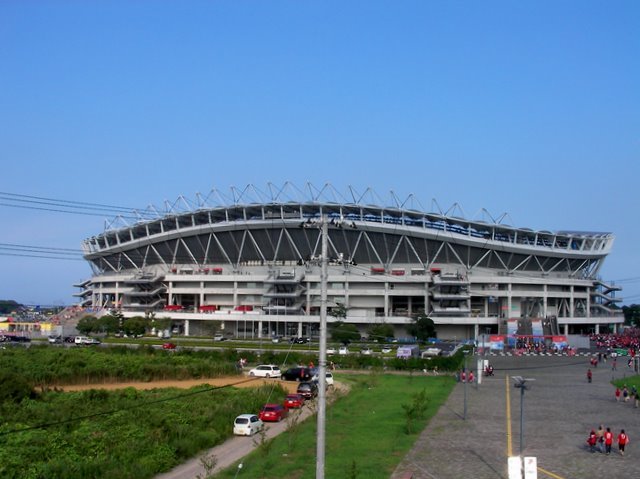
(530, 108)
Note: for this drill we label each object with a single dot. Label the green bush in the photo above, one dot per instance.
(14, 388)
(119, 434)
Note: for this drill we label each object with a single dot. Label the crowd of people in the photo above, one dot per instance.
(626, 395)
(603, 439)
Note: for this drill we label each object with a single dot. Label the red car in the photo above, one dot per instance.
(273, 413)
(168, 346)
(294, 401)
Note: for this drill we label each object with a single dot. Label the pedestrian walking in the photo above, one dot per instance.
(625, 393)
(589, 375)
(614, 364)
(600, 435)
(592, 441)
(623, 440)
(608, 440)
(618, 393)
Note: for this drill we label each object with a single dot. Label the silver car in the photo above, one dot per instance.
(247, 425)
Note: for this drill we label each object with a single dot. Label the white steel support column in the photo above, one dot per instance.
(186, 327)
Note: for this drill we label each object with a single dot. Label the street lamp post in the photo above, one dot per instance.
(521, 383)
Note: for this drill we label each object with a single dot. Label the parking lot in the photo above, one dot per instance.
(560, 409)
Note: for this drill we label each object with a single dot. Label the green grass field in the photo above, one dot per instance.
(366, 432)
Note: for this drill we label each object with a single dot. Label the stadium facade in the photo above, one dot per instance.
(249, 264)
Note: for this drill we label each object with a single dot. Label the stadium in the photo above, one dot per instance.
(248, 264)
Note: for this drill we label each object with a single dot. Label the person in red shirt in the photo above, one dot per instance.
(592, 441)
(623, 440)
(608, 440)
(618, 393)
(589, 375)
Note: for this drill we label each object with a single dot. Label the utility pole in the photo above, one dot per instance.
(466, 380)
(322, 360)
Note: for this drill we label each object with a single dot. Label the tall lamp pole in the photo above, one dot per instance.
(322, 360)
(521, 383)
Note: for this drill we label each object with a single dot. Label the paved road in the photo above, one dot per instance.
(559, 411)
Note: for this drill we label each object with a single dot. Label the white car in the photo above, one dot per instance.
(247, 425)
(331, 350)
(343, 350)
(86, 340)
(266, 371)
(386, 349)
(366, 351)
(328, 380)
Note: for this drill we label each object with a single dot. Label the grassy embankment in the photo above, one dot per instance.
(366, 434)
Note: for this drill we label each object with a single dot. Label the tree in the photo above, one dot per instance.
(422, 328)
(344, 333)
(108, 324)
(381, 331)
(87, 324)
(632, 315)
(339, 312)
(135, 326)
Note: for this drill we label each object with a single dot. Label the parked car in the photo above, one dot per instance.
(266, 371)
(273, 413)
(294, 401)
(219, 337)
(386, 349)
(70, 339)
(308, 389)
(366, 351)
(169, 346)
(55, 339)
(331, 350)
(429, 352)
(300, 340)
(86, 340)
(247, 425)
(297, 374)
(343, 350)
(328, 377)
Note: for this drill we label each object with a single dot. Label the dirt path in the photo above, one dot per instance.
(237, 381)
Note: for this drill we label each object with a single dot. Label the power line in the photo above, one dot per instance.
(114, 411)
(44, 252)
(41, 248)
(15, 200)
(41, 256)
(71, 203)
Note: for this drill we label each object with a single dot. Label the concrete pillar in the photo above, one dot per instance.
(186, 327)
(260, 329)
(572, 312)
(299, 329)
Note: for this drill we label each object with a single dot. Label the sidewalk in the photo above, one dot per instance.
(560, 409)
